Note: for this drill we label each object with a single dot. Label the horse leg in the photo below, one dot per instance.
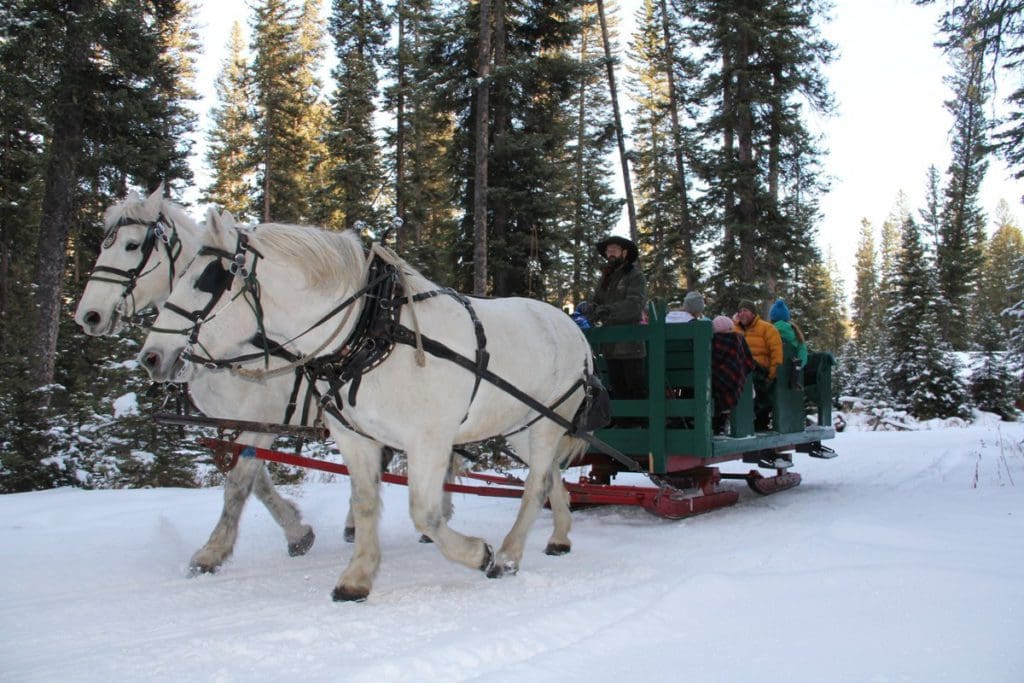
(237, 486)
(447, 508)
(427, 474)
(539, 447)
(364, 465)
(300, 536)
(386, 456)
(558, 497)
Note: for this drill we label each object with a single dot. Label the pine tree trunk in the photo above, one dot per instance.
(728, 141)
(400, 238)
(581, 136)
(619, 134)
(747, 181)
(504, 270)
(480, 167)
(685, 222)
(59, 192)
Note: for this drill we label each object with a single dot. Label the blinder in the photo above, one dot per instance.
(215, 279)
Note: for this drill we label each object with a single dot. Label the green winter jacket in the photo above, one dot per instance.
(619, 299)
(788, 335)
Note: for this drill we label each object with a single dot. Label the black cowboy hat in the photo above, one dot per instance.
(629, 245)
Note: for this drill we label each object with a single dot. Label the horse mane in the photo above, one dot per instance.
(325, 258)
(136, 207)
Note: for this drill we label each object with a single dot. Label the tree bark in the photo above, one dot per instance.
(685, 222)
(400, 239)
(480, 166)
(619, 134)
(60, 181)
(504, 272)
(747, 179)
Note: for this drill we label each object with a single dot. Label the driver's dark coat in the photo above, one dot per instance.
(619, 299)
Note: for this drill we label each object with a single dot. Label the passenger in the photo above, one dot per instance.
(766, 348)
(731, 362)
(619, 299)
(691, 308)
(791, 335)
(788, 330)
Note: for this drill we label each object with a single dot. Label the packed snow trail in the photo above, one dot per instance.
(899, 560)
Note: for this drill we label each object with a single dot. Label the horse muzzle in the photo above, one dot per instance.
(96, 324)
(164, 366)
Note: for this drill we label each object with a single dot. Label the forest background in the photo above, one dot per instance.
(495, 130)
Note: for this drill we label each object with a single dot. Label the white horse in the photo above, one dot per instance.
(247, 282)
(147, 246)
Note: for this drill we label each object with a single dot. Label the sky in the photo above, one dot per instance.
(889, 128)
(899, 560)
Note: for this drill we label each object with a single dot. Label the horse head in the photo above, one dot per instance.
(147, 241)
(242, 288)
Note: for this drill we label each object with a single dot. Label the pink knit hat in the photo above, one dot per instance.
(722, 324)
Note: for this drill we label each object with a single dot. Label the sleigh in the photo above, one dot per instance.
(668, 437)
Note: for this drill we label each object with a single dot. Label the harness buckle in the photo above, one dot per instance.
(238, 265)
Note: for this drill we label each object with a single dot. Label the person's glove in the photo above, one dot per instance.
(601, 312)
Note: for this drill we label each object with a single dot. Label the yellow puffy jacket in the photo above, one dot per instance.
(765, 344)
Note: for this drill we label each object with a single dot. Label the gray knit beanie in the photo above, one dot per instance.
(693, 303)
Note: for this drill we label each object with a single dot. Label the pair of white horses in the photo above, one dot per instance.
(286, 283)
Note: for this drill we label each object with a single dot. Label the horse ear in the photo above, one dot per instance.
(227, 219)
(219, 226)
(153, 201)
(133, 196)
(211, 216)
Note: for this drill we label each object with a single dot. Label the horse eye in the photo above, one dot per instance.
(131, 246)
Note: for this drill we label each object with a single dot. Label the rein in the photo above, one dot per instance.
(160, 230)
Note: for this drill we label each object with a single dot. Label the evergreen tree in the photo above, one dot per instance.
(285, 92)
(889, 249)
(993, 386)
(760, 67)
(664, 149)
(530, 122)
(100, 90)
(961, 230)
(1015, 314)
(931, 215)
(993, 30)
(924, 376)
(865, 365)
(231, 135)
(353, 170)
(594, 208)
(422, 141)
(819, 307)
(995, 294)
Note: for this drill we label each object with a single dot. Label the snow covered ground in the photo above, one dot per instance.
(901, 560)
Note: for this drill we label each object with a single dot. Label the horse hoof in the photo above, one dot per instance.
(350, 534)
(425, 539)
(343, 594)
(200, 568)
(302, 546)
(488, 564)
(557, 549)
(500, 569)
